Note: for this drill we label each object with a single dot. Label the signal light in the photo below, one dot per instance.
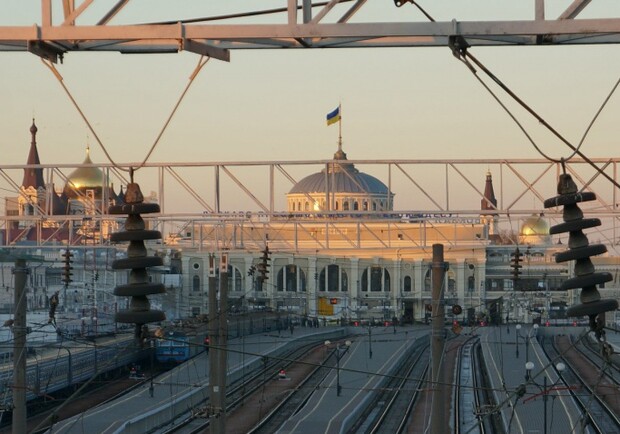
(457, 309)
(515, 264)
(66, 272)
(263, 266)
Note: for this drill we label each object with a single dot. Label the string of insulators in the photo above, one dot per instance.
(580, 250)
(137, 261)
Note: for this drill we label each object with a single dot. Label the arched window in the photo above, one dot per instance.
(336, 206)
(427, 281)
(291, 278)
(234, 279)
(333, 278)
(376, 279)
(307, 206)
(365, 206)
(407, 284)
(345, 205)
(356, 206)
(374, 205)
(196, 283)
(451, 281)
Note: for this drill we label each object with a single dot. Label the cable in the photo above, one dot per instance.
(459, 49)
(59, 77)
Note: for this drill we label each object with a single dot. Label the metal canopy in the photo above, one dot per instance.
(302, 27)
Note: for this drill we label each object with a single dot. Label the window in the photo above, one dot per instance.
(451, 281)
(427, 280)
(196, 283)
(407, 284)
(333, 278)
(291, 278)
(234, 279)
(379, 279)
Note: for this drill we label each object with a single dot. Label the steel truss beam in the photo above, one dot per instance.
(216, 36)
(423, 186)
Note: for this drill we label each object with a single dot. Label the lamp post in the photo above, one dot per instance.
(544, 388)
(517, 336)
(527, 341)
(152, 351)
(369, 341)
(340, 351)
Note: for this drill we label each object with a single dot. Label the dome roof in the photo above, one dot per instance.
(535, 225)
(343, 177)
(84, 177)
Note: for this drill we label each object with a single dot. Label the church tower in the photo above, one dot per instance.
(488, 206)
(32, 190)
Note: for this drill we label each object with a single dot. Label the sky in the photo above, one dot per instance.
(407, 103)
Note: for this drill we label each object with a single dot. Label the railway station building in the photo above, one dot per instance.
(340, 251)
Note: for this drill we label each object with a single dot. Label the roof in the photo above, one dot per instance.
(33, 177)
(84, 177)
(342, 177)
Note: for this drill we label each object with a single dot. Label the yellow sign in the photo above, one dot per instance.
(325, 307)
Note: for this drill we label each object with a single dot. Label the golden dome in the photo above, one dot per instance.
(535, 225)
(84, 178)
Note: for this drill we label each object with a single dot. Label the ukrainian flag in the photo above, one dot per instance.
(333, 117)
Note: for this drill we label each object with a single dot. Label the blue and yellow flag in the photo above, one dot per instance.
(333, 117)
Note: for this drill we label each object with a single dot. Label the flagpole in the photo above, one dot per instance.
(340, 128)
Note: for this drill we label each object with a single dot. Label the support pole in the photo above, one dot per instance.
(222, 350)
(213, 348)
(19, 349)
(438, 409)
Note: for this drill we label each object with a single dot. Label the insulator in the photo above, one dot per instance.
(580, 250)
(137, 261)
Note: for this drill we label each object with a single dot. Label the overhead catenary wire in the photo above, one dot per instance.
(459, 49)
(201, 62)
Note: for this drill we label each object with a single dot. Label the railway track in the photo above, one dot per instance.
(466, 398)
(389, 411)
(593, 351)
(595, 392)
(253, 387)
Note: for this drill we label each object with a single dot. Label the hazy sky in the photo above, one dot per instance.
(271, 105)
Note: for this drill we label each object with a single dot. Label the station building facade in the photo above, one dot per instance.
(339, 251)
(332, 259)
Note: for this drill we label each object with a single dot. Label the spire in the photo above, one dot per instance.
(488, 202)
(33, 177)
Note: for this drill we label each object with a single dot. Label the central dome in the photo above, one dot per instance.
(84, 178)
(342, 178)
(348, 188)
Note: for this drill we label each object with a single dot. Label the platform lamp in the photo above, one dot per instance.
(544, 388)
(339, 351)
